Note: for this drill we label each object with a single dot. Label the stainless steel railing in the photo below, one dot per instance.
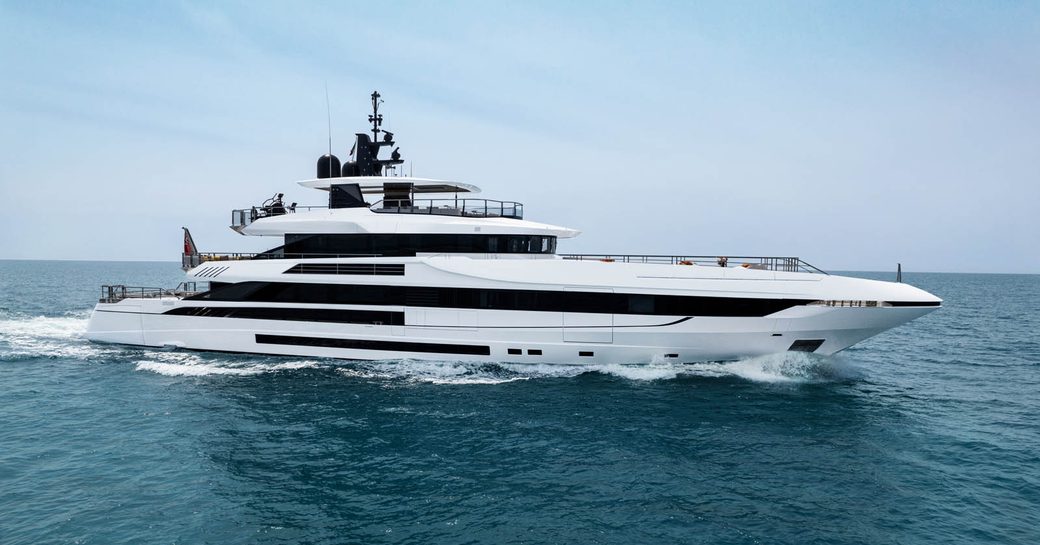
(768, 263)
(472, 208)
(117, 292)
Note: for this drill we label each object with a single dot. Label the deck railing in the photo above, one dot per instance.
(768, 263)
(471, 208)
(784, 264)
(117, 292)
(244, 216)
(190, 261)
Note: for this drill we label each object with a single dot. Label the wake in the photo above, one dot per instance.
(789, 367)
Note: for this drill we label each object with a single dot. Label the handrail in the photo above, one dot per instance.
(783, 264)
(190, 261)
(769, 263)
(475, 208)
(115, 293)
(241, 217)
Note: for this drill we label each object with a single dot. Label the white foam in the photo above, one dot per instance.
(447, 372)
(786, 367)
(184, 364)
(651, 371)
(433, 372)
(790, 367)
(192, 370)
(48, 336)
(43, 327)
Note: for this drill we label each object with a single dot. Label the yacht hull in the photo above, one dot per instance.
(682, 339)
(509, 310)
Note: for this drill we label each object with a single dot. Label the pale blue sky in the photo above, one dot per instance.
(854, 135)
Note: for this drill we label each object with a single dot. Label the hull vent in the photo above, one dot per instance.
(210, 272)
(805, 345)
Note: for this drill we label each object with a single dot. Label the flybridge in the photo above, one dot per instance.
(468, 208)
(365, 173)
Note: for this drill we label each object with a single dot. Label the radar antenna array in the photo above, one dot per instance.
(366, 162)
(376, 119)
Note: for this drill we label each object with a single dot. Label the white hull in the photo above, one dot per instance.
(475, 334)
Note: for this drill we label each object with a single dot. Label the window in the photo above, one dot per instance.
(405, 244)
(497, 299)
(390, 269)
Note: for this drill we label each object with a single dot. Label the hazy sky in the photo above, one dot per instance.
(854, 135)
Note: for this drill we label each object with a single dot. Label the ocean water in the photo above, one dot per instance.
(929, 433)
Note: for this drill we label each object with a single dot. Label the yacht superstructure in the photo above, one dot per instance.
(428, 271)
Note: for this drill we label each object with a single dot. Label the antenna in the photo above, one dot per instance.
(328, 110)
(375, 119)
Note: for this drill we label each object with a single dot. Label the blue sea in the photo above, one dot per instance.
(929, 433)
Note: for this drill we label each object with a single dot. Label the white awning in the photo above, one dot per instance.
(374, 184)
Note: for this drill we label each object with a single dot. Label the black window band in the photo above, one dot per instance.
(498, 299)
(339, 316)
(408, 244)
(365, 344)
(385, 269)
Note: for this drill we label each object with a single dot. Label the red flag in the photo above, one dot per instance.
(189, 244)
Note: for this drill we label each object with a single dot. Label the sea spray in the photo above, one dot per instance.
(198, 364)
(792, 367)
(25, 337)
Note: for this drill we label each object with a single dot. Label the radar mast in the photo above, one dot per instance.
(365, 152)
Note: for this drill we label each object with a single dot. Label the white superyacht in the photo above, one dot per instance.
(402, 267)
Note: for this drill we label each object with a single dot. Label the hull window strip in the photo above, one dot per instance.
(367, 344)
(498, 299)
(375, 317)
(387, 269)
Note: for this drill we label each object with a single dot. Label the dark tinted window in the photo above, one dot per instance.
(405, 244)
(498, 299)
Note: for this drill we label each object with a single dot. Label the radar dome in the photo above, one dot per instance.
(328, 166)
